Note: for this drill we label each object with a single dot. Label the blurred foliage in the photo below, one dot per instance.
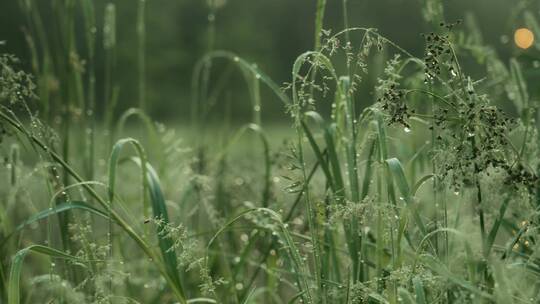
(270, 33)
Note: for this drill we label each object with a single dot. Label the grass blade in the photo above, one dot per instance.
(17, 265)
(394, 165)
(160, 213)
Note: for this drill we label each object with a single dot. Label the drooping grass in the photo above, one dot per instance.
(427, 193)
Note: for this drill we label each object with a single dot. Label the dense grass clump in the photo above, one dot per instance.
(426, 193)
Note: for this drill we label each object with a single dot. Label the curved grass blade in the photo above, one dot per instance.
(113, 166)
(38, 143)
(160, 213)
(151, 131)
(420, 182)
(17, 264)
(135, 112)
(72, 205)
(266, 155)
(243, 64)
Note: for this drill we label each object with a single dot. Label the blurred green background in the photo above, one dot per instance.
(271, 33)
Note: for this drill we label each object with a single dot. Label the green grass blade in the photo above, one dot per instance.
(72, 205)
(160, 213)
(420, 182)
(275, 88)
(17, 265)
(419, 290)
(113, 166)
(394, 165)
(496, 225)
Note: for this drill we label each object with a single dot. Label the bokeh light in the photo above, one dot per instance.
(523, 38)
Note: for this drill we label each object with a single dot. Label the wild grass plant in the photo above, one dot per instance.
(428, 193)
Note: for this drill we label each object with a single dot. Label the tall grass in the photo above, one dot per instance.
(426, 194)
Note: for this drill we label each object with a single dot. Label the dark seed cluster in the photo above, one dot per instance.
(439, 57)
(393, 103)
(477, 141)
(518, 175)
(15, 85)
(391, 97)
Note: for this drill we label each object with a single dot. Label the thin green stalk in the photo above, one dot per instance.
(319, 19)
(141, 52)
(89, 111)
(110, 88)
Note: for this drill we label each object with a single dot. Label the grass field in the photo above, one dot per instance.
(418, 187)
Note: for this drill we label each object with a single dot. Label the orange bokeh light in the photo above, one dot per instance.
(523, 38)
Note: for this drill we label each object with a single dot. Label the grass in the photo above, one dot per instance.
(426, 194)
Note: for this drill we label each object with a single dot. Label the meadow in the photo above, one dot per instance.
(388, 178)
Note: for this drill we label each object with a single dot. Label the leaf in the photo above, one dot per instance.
(419, 290)
(17, 264)
(61, 208)
(394, 165)
(159, 209)
(496, 225)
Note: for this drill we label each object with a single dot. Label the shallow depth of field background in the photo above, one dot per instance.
(269, 33)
